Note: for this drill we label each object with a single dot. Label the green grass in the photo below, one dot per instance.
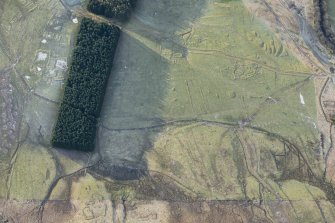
(222, 70)
(33, 172)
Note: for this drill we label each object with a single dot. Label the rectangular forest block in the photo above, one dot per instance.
(91, 66)
(119, 9)
(86, 85)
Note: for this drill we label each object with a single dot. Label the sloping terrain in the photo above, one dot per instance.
(208, 117)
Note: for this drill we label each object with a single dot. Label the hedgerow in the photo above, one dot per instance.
(119, 9)
(86, 84)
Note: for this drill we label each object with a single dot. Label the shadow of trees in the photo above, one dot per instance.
(138, 84)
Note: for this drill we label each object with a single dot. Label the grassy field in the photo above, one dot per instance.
(202, 96)
(33, 172)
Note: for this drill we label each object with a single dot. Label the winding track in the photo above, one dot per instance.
(186, 121)
(314, 45)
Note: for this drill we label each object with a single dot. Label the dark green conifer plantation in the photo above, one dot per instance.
(88, 75)
(119, 9)
(86, 84)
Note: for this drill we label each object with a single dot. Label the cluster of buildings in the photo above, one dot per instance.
(51, 59)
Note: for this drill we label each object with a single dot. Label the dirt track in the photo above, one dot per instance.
(311, 52)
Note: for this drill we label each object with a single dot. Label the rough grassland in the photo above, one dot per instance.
(214, 65)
